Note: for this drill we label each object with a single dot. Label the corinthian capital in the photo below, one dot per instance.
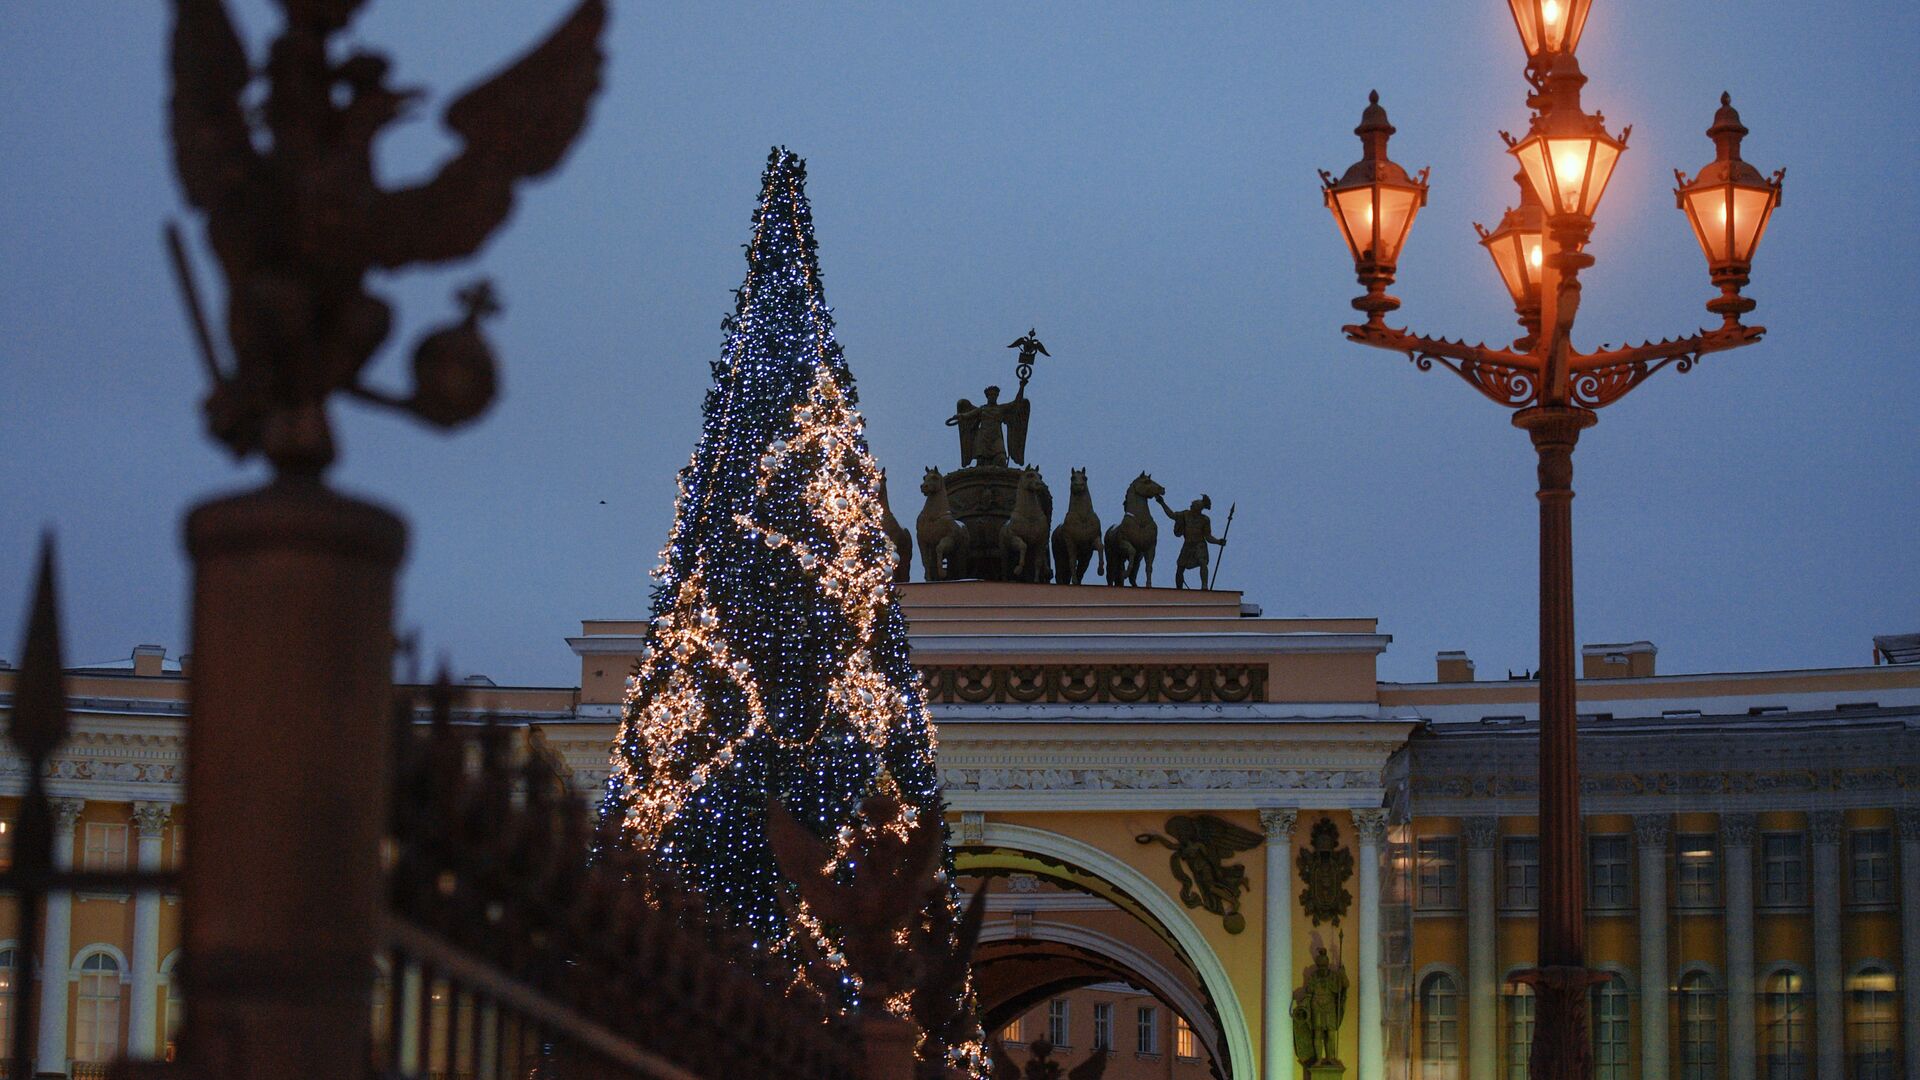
(1279, 822)
(66, 813)
(1826, 826)
(1481, 832)
(1736, 830)
(1370, 826)
(1652, 830)
(151, 818)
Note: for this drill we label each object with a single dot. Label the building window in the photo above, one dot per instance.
(1609, 872)
(106, 846)
(1147, 1030)
(1519, 1031)
(1699, 1028)
(1185, 1045)
(6, 845)
(1522, 871)
(1013, 1033)
(1696, 878)
(1102, 1026)
(96, 1028)
(1872, 881)
(1058, 1031)
(1786, 1027)
(1783, 858)
(1439, 1028)
(1610, 1030)
(1439, 873)
(9, 960)
(1870, 1025)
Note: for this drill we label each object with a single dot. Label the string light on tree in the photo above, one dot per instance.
(776, 664)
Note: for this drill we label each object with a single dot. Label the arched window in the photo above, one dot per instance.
(96, 1029)
(1610, 1030)
(9, 961)
(1786, 1030)
(1699, 1028)
(1519, 1030)
(1439, 1028)
(1870, 1025)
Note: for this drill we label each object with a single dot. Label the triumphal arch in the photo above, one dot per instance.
(1162, 789)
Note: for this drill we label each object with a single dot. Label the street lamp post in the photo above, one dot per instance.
(1566, 157)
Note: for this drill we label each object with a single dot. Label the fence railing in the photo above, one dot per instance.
(507, 947)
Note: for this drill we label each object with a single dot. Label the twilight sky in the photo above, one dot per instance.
(1135, 180)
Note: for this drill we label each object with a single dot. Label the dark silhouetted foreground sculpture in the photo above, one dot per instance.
(297, 218)
(1041, 1066)
(289, 743)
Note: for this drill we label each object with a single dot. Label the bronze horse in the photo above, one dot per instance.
(943, 537)
(1023, 539)
(896, 535)
(1077, 540)
(1131, 542)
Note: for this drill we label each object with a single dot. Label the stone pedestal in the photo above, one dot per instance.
(1333, 1071)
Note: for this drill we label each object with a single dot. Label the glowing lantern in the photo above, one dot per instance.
(1374, 204)
(1549, 26)
(1517, 245)
(1729, 202)
(1568, 155)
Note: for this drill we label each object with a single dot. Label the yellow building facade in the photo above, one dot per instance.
(1754, 849)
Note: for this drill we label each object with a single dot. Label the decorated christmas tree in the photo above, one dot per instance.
(776, 664)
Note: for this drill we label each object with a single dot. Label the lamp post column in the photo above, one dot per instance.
(1275, 1019)
(1561, 1050)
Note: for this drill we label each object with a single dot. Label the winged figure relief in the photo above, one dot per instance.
(296, 217)
(1201, 845)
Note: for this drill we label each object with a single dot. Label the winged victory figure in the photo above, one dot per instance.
(296, 217)
(1201, 844)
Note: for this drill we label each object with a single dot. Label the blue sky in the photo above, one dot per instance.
(1135, 180)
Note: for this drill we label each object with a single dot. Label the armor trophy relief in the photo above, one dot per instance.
(991, 519)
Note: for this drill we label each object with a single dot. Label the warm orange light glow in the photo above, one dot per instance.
(1581, 165)
(1729, 202)
(1534, 258)
(1549, 26)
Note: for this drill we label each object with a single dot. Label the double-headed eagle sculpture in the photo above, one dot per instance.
(280, 160)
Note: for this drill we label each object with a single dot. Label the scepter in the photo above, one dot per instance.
(1213, 579)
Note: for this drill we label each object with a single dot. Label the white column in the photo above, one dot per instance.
(1651, 833)
(1736, 840)
(1370, 826)
(1276, 1021)
(1483, 977)
(1910, 930)
(56, 947)
(150, 822)
(1826, 827)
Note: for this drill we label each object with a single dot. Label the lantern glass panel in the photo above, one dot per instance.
(1353, 212)
(1549, 25)
(1708, 209)
(1506, 259)
(1751, 209)
(1397, 208)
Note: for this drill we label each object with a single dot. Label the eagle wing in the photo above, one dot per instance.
(212, 147)
(516, 125)
(1223, 839)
